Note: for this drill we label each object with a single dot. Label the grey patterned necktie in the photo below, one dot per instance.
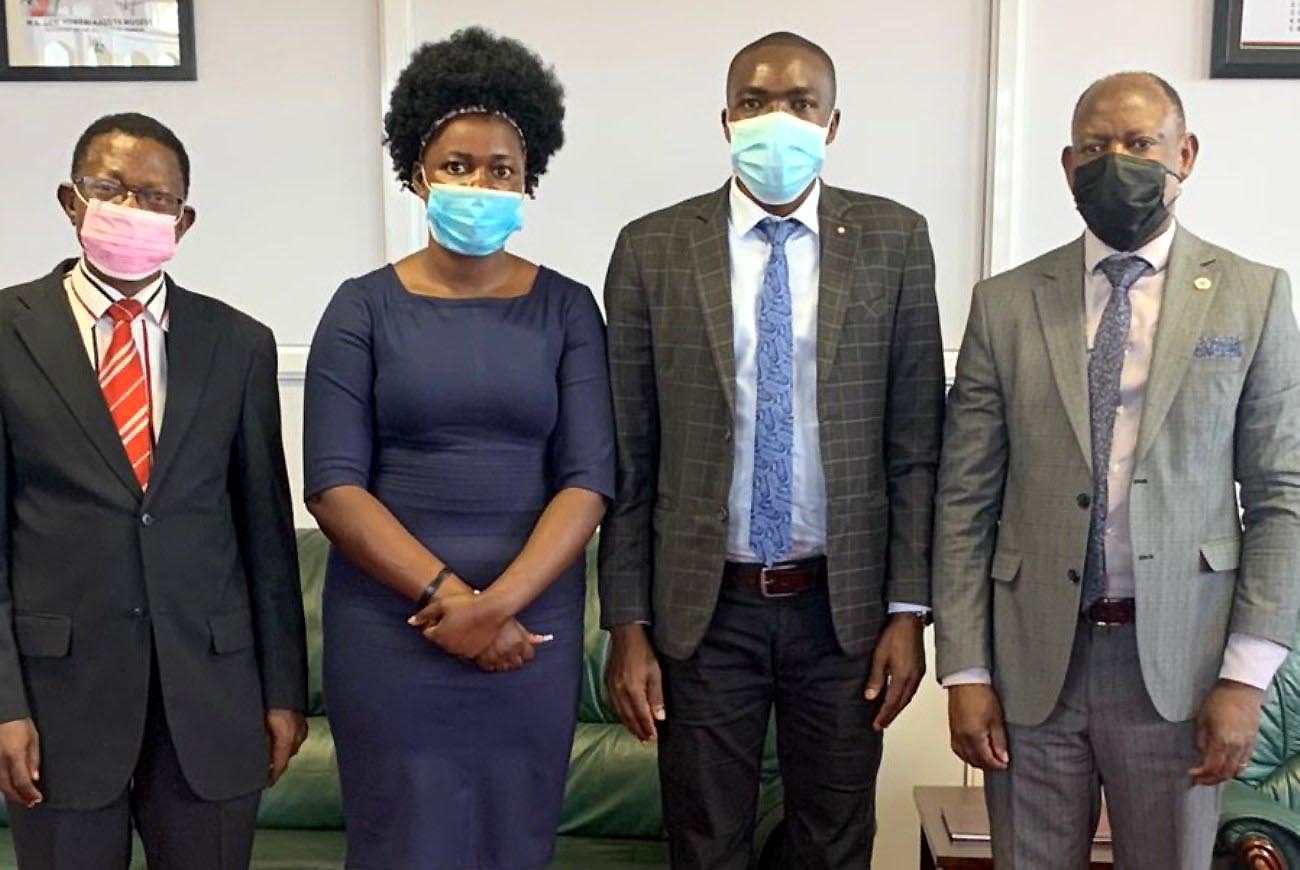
(1105, 365)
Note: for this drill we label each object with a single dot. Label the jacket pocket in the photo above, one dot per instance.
(231, 632)
(1222, 554)
(42, 635)
(1006, 565)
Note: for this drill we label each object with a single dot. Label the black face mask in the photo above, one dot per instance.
(1122, 198)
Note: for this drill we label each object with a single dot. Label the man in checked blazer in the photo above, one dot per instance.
(778, 391)
(1090, 558)
(153, 668)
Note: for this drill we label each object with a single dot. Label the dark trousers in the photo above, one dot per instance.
(759, 653)
(179, 829)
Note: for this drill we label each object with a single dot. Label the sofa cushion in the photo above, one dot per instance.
(613, 785)
(313, 554)
(307, 796)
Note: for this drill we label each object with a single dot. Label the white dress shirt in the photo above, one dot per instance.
(749, 256)
(1247, 659)
(90, 299)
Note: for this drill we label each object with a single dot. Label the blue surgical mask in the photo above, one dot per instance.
(777, 155)
(474, 221)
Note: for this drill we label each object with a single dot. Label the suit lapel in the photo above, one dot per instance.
(49, 332)
(190, 345)
(712, 259)
(1182, 313)
(839, 248)
(1059, 299)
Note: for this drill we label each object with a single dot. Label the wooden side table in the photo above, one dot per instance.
(939, 852)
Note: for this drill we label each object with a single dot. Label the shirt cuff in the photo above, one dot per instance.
(967, 677)
(1251, 660)
(900, 607)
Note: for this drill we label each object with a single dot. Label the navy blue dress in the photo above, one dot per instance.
(464, 417)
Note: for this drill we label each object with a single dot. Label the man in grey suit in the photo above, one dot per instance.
(1090, 557)
(777, 379)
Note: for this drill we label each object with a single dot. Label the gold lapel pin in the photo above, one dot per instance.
(1203, 283)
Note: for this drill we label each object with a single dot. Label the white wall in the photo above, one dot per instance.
(283, 132)
(1243, 194)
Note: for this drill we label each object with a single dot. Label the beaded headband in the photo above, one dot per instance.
(470, 110)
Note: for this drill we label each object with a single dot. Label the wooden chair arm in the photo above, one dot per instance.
(1259, 853)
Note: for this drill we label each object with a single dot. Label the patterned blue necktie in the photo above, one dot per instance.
(1105, 366)
(770, 510)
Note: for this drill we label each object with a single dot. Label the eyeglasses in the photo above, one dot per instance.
(111, 190)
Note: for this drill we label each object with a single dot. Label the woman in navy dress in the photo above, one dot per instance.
(458, 441)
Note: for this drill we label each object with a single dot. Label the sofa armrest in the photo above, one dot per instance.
(1262, 833)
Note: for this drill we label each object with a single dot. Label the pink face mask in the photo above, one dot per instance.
(127, 243)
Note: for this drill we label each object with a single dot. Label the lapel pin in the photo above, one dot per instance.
(1203, 283)
(841, 230)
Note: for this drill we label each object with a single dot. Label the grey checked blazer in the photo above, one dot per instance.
(672, 365)
(1222, 408)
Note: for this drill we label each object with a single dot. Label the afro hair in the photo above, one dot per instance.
(474, 67)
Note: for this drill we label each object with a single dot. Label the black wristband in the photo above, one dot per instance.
(432, 589)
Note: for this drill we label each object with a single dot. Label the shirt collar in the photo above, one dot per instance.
(1155, 252)
(97, 295)
(747, 214)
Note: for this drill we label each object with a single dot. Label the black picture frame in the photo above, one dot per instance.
(1229, 59)
(186, 71)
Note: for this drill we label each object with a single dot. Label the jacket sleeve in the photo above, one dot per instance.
(13, 692)
(1267, 458)
(626, 540)
(264, 522)
(913, 424)
(969, 503)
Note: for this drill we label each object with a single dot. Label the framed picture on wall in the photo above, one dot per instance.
(1256, 39)
(97, 40)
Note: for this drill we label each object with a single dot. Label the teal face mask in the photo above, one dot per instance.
(777, 155)
(474, 221)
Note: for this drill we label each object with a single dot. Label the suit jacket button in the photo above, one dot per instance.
(723, 514)
(1073, 575)
(146, 520)
(138, 612)
(1083, 500)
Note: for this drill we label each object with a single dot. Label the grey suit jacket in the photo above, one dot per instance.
(1011, 528)
(100, 579)
(672, 365)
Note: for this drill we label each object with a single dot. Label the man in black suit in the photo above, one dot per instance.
(152, 657)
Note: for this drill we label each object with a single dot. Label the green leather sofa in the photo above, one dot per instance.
(611, 816)
(1259, 827)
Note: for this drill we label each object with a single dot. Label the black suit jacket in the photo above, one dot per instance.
(96, 574)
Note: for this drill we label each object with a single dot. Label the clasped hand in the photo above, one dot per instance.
(473, 627)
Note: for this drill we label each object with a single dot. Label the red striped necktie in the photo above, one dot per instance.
(126, 392)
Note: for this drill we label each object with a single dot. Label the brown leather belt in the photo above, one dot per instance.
(1112, 611)
(780, 580)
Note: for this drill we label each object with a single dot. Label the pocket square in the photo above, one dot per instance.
(1218, 347)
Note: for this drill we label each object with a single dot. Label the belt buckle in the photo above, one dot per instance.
(1103, 623)
(764, 580)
